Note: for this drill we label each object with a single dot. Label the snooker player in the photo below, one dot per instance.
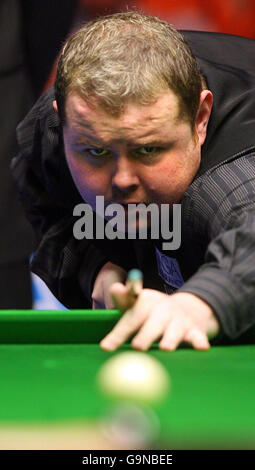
(140, 116)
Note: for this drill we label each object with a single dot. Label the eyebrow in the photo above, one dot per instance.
(81, 137)
(90, 141)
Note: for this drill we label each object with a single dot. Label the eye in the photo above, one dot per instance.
(148, 150)
(97, 152)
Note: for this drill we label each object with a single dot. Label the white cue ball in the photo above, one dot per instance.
(134, 376)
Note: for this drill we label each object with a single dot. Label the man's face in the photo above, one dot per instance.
(145, 155)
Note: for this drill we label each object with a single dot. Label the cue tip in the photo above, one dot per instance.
(135, 282)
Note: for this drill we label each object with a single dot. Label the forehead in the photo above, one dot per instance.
(91, 117)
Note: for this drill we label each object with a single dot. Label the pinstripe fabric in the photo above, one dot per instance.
(217, 253)
(219, 207)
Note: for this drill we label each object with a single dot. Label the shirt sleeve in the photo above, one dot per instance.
(226, 279)
(68, 266)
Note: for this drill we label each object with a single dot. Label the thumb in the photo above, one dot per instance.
(121, 296)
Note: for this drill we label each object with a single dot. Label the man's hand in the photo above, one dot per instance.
(109, 274)
(176, 318)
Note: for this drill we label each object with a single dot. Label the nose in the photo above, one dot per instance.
(124, 176)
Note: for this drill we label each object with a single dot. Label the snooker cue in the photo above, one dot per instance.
(134, 283)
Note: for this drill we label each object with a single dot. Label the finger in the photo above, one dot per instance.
(109, 303)
(109, 300)
(120, 296)
(173, 336)
(126, 326)
(197, 339)
(97, 305)
(151, 331)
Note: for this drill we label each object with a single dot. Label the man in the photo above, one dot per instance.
(138, 121)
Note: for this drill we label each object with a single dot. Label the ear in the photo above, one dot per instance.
(55, 106)
(203, 114)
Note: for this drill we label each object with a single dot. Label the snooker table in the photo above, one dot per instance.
(50, 400)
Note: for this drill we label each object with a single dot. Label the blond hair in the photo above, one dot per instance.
(128, 57)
